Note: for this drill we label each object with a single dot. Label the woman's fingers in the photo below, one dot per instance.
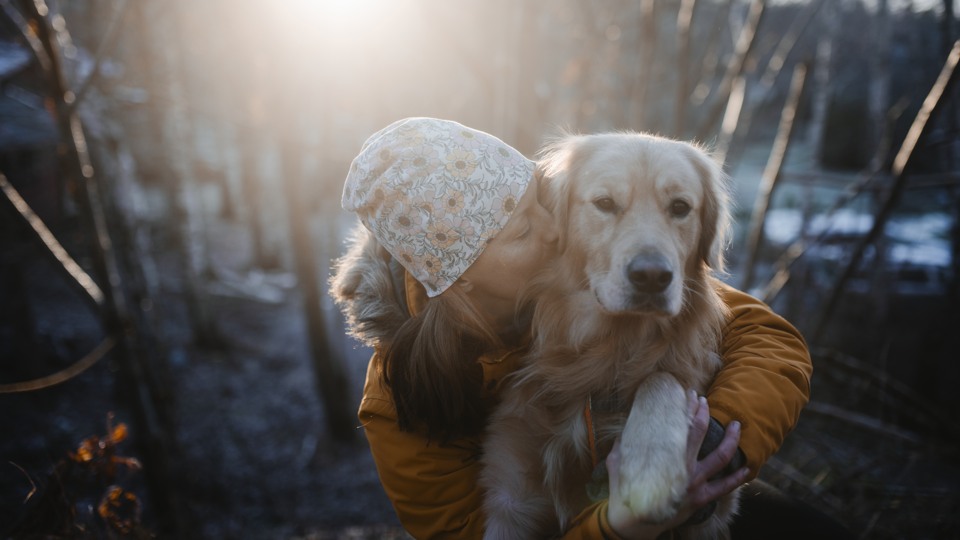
(705, 486)
(715, 461)
(711, 491)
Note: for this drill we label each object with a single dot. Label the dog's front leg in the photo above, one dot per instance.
(515, 502)
(653, 470)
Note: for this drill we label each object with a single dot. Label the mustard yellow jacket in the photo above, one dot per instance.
(764, 384)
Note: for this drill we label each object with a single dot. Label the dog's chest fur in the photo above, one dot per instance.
(581, 355)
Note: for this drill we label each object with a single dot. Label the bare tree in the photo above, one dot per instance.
(177, 144)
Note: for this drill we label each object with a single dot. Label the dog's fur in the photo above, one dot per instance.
(628, 314)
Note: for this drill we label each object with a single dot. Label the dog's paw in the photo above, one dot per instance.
(653, 470)
(653, 489)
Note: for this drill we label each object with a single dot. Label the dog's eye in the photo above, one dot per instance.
(605, 204)
(679, 208)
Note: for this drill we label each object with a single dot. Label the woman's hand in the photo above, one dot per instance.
(702, 487)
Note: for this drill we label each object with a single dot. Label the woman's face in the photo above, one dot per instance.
(512, 256)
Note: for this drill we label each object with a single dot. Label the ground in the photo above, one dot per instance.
(251, 457)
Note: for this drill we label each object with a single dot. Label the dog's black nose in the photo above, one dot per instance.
(649, 273)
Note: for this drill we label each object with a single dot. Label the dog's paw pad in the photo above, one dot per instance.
(653, 505)
(654, 497)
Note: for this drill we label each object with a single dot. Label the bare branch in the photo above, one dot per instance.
(105, 44)
(33, 41)
(65, 374)
(735, 67)
(918, 130)
(77, 276)
(862, 421)
(771, 174)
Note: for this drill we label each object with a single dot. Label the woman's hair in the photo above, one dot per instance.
(431, 367)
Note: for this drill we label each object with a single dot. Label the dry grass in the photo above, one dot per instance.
(874, 455)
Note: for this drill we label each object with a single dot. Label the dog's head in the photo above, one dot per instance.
(640, 216)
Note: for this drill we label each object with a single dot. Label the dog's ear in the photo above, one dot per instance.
(715, 213)
(554, 165)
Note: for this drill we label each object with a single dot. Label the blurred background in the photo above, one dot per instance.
(171, 365)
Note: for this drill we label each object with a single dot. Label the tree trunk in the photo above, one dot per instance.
(878, 91)
(331, 379)
(645, 71)
(177, 142)
(682, 99)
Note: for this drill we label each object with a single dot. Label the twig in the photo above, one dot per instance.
(771, 73)
(731, 119)
(77, 276)
(33, 485)
(710, 63)
(890, 385)
(800, 247)
(36, 46)
(863, 421)
(797, 477)
(105, 44)
(787, 43)
(65, 374)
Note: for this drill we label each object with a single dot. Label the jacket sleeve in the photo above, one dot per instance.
(433, 487)
(765, 379)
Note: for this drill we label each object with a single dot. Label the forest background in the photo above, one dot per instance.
(170, 363)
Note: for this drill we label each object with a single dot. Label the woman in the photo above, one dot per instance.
(453, 232)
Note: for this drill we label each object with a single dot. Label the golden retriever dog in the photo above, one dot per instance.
(626, 321)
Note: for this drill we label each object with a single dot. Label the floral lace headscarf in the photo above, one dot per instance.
(433, 193)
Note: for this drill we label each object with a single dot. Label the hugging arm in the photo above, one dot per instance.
(765, 379)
